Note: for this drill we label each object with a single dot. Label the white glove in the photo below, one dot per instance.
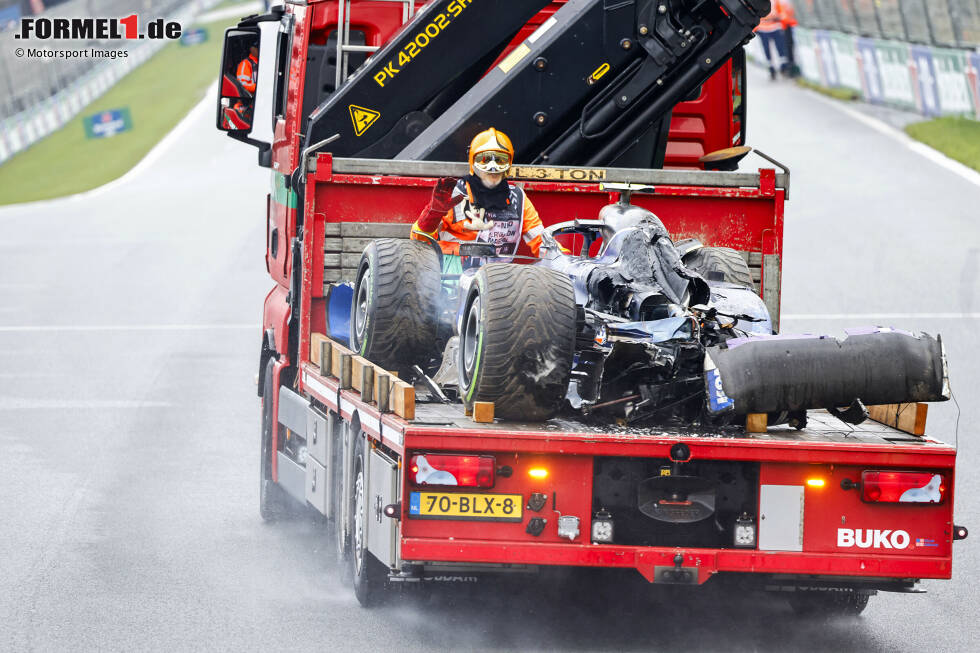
(475, 220)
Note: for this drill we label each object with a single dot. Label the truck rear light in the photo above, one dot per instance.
(902, 487)
(744, 534)
(460, 471)
(602, 528)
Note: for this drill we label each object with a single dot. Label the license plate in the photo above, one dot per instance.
(452, 505)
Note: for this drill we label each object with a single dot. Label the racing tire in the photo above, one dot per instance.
(368, 576)
(720, 264)
(395, 309)
(274, 503)
(830, 602)
(517, 340)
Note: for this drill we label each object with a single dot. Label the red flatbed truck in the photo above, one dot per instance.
(817, 512)
(815, 530)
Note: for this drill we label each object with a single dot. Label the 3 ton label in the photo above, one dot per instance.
(867, 538)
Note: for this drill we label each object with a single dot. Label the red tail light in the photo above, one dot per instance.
(903, 487)
(451, 470)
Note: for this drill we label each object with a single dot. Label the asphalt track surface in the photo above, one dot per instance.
(129, 419)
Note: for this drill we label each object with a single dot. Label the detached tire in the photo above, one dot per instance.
(368, 575)
(395, 309)
(720, 264)
(274, 503)
(517, 340)
(831, 602)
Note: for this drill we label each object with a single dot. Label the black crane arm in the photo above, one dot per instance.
(594, 80)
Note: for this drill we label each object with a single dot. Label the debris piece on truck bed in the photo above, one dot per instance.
(767, 374)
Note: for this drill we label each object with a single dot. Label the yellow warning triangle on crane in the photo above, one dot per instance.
(362, 118)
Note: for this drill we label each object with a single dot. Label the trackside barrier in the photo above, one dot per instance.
(933, 81)
(940, 23)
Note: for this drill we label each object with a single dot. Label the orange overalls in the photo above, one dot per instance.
(248, 73)
(518, 220)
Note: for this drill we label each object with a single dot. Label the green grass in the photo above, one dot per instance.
(159, 93)
(957, 138)
(229, 3)
(845, 94)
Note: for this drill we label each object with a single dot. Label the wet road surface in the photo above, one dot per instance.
(129, 419)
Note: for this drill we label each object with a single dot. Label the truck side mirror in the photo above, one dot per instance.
(239, 79)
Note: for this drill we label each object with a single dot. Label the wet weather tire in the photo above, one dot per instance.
(720, 264)
(369, 577)
(274, 503)
(517, 340)
(830, 602)
(395, 309)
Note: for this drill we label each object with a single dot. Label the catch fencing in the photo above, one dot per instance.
(941, 23)
(916, 55)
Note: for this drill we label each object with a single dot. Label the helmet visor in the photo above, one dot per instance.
(491, 161)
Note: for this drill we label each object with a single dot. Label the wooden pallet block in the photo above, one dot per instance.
(910, 418)
(401, 394)
(357, 366)
(402, 399)
(316, 342)
(483, 412)
(756, 422)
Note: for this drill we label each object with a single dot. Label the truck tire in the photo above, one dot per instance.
(830, 602)
(517, 340)
(395, 309)
(369, 576)
(720, 264)
(274, 503)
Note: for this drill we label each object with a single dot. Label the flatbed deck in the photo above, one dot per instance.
(822, 427)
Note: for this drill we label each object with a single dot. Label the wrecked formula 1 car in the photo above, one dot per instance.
(642, 331)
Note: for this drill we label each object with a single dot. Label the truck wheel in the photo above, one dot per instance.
(831, 602)
(274, 503)
(720, 264)
(368, 574)
(517, 340)
(395, 308)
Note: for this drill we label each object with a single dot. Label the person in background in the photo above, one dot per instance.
(248, 70)
(770, 30)
(789, 22)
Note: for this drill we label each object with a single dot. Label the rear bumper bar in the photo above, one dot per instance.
(653, 562)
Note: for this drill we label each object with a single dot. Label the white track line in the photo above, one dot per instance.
(937, 157)
(126, 327)
(881, 316)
